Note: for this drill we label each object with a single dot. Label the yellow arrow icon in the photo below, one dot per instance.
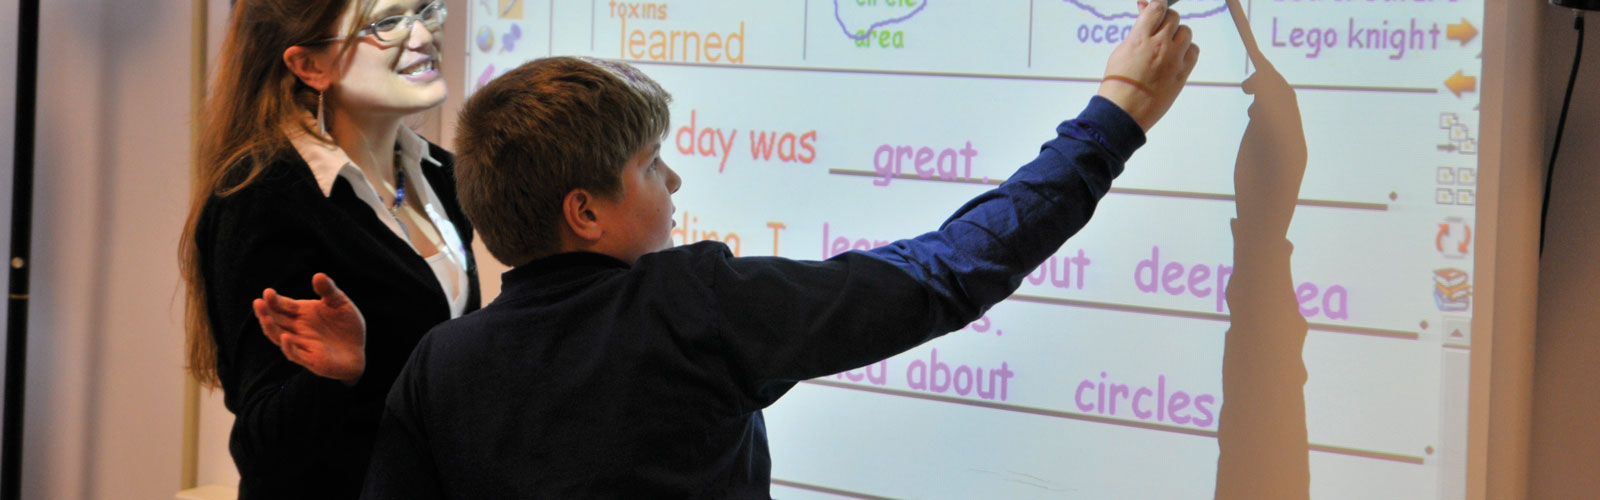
(1459, 83)
(1463, 31)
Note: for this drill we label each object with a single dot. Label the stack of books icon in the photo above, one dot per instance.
(1452, 290)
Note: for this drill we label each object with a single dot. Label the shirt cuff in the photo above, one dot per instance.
(1109, 126)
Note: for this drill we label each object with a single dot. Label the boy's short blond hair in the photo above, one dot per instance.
(535, 134)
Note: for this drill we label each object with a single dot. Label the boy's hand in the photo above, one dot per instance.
(1150, 66)
(327, 336)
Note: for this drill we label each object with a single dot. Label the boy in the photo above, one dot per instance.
(613, 366)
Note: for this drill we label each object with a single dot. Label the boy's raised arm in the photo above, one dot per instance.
(859, 307)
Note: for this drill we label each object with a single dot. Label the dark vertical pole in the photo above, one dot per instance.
(21, 238)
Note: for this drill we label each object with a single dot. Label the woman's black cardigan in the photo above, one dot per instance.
(298, 435)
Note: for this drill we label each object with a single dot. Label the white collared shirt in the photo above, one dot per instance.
(329, 162)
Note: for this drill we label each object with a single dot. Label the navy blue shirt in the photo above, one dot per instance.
(589, 377)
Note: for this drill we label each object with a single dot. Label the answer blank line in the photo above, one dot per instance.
(991, 405)
(1179, 313)
(1351, 205)
(825, 489)
(999, 76)
(1337, 450)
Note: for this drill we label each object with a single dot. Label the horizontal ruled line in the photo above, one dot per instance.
(1353, 205)
(1179, 313)
(1337, 450)
(1375, 455)
(825, 489)
(1001, 76)
(1350, 205)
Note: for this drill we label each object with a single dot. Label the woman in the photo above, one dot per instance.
(306, 173)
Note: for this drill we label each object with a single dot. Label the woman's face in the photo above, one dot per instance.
(396, 77)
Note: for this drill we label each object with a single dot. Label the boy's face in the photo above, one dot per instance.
(641, 222)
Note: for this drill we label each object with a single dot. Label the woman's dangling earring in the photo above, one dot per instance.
(322, 124)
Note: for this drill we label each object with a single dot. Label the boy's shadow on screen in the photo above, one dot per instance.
(1261, 432)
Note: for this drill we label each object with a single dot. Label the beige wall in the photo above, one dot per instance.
(8, 93)
(104, 380)
(1565, 461)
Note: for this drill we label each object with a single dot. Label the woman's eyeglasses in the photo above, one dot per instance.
(396, 28)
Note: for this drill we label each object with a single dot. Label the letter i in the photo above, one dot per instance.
(1100, 395)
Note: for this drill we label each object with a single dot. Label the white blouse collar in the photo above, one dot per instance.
(328, 160)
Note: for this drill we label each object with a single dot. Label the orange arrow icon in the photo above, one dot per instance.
(1459, 83)
(1464, 31)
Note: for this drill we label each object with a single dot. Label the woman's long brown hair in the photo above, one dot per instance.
(253, 96)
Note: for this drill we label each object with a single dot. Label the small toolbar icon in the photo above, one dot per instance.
(1452, 289)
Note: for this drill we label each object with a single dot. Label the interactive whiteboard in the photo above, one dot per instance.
(1274, 301)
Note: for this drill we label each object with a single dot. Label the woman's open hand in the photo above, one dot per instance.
(326, 335)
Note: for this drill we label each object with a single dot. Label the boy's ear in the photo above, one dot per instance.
(579, 210)
(313, 67)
